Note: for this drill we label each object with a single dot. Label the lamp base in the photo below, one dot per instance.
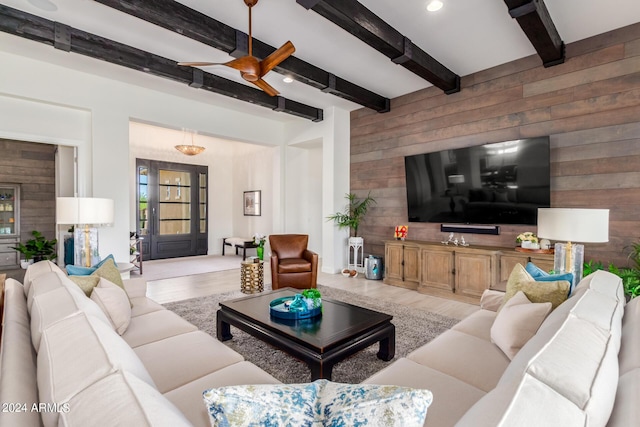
(569, 264)
(85, 246)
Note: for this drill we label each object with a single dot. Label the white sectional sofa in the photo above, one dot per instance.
(581, 368)
(60, 353)
(63, 364)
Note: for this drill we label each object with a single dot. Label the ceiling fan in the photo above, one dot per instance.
(250, 68)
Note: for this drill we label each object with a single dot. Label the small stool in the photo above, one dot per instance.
(251, 277)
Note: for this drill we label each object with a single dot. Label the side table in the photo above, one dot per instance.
(251, 277)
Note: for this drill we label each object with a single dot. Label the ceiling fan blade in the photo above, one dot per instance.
(199, 64)
(271, 61)
(266, 87)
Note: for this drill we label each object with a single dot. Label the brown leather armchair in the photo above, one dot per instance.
(292, 264)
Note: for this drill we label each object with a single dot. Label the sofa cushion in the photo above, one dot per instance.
(123, 400)
(537, 292)
(529, 403)
(477, 324)
(76, 352)
(54, 297)
(37, 269)
(449, 354)
(630, 347)
(188, 398)
(452, 397)
(517, 322)
(17, 361)
(321, 402)
(626, 411)
(113, 301)
(143, 305)
(155, 326)
(196, 353)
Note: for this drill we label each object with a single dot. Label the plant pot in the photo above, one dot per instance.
(25, 264)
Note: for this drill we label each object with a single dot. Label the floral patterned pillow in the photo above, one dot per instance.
(321, 403)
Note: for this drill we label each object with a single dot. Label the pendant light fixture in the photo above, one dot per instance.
(189, 150)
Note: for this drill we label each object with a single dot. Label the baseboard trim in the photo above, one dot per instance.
(471, 229)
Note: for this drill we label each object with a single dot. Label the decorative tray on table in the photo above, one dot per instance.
(296, 307)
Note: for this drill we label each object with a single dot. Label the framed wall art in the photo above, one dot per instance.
(252, 203)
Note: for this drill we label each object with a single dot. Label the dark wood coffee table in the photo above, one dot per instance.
(321, 342)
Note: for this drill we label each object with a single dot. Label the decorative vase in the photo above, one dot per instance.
(298, 304)
(260, 252)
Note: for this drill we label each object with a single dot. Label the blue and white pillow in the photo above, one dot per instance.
(320, 403)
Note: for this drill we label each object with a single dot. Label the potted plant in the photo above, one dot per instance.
(351, 218)
(37, 249)
(353, 213)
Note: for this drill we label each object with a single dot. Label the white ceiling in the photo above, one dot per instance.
(465, 35)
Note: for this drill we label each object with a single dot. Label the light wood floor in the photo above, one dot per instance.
(185, 287)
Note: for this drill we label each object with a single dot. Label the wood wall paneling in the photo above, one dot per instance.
(590, 106)
(31, 165)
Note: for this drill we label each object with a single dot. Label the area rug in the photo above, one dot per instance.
(173, 267)
(413, 329)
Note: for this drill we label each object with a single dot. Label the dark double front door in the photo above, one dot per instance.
(172, 209)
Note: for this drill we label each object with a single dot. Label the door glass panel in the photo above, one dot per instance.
(7, 210)
(175, 202)
(143, 200)
(203, 202)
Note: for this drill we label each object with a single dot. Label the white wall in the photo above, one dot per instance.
(334, 137)
(93, 113)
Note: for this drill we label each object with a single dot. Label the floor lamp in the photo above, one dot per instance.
(85, 213)
(572, 225)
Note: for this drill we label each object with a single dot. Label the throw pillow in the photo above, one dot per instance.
(319, 403)
(114, 302)
(555, 292)
(517, 322)
(77, 270)
(109, 271)
(86, 283)
(539, 275)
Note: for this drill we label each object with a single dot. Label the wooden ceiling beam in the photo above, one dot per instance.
(176, 17)
(70, 39)
(535, 20)
(353, 17)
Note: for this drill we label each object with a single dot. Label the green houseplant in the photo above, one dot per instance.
(353, 213)
(630, 276)
(38, 248)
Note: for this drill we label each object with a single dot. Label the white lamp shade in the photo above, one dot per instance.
(574, 225)
(456, 179)
(84, 210)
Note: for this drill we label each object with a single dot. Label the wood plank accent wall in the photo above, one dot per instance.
(590, 106)
(31, 165)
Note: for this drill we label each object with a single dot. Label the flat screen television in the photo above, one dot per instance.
(497, 183)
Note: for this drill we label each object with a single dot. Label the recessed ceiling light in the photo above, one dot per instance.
(287, 80)
(434, 5)
(47, 5)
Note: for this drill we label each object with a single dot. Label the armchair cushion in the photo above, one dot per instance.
(294, 265)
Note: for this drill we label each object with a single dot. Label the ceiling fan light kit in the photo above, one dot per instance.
(251, 69)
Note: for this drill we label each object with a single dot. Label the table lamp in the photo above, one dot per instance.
(85, 213)
(572, 225)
